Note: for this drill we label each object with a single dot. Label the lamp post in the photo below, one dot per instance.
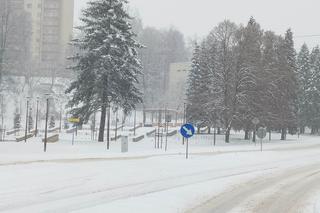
(2, 119)
(184, 119)
(26, 126)
(37, 117)
(60, 123)
(108, 123)
(116, 129)
(46, 125)
(134, 122)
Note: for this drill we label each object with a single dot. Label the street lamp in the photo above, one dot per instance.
(116, 130)
(108, 124)
(46, 125)
(134, 122)
(60, 123)
(37, 117)
(27, 115)
(184, 119)
(2, 118)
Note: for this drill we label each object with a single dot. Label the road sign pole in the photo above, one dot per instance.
(155, 139)
(161, 137)
(166, 145)
(27, 116)
(187, 148)
(73, 137)
(46, 127)
(187, 131)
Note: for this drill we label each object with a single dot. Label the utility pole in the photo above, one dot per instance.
(2, 119)
(37, 117)
(27, 115)
(184, 119)
(108, 129)
(60, 127)
(46, 127)
(134, 122)
(116, 130)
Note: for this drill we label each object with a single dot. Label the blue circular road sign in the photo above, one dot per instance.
(187, 130)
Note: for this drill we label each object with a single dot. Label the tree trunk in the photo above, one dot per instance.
(219, 131)
(283, 134)
(227, 138)
(246, 135)
(102, 123)
(198, 130)
(209, 130)
(108, 129)
(254, 137)
(270, 135)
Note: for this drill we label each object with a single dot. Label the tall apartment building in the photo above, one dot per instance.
(52, 28)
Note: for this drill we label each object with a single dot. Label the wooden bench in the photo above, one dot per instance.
(135, 128)
(13, 131)
(172, 133)
(22, 138)
(52, 138)
(151, 133)
(137, 139)
(114, 138)
(53, 129)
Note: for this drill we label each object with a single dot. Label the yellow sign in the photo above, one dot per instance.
(74, 120)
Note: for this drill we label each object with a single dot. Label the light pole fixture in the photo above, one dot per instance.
(134, 122)
(37, 117)
(27, 115)
(46, 125)
(116, 129)
(108, 123)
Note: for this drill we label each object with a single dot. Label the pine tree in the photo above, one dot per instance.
(287, 85)
(107, 67)
(193, 87)
(304, 80)
(247, 71)
(269, 76)
(198, 108)
(314, 91)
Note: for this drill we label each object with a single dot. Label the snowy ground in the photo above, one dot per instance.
(234, 177)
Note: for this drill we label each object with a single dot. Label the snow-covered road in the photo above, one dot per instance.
(234, 179)
(286, 191)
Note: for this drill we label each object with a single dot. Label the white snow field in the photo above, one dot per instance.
(233, 177)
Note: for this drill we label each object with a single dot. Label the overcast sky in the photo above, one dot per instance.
(198, 17)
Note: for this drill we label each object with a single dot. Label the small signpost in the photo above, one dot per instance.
(75, 121)
(261, 133)
(187, 131)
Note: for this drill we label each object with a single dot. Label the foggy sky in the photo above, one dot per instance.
(195, 18)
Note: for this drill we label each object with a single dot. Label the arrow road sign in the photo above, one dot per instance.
(187, 130)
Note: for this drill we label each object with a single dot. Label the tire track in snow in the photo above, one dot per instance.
(231, 199)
